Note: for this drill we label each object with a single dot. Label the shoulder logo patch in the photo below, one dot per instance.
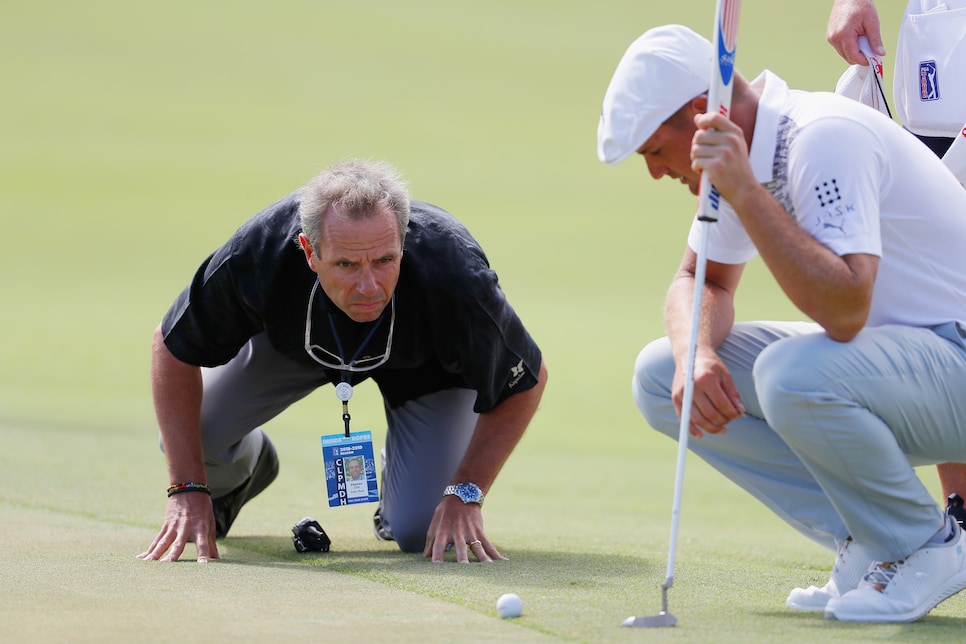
(517, 372)
(827, 193)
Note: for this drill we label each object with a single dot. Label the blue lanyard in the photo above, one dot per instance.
(345, 374)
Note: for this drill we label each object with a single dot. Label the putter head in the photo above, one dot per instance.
(660, 620)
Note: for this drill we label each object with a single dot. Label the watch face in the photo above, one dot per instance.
(468, 492)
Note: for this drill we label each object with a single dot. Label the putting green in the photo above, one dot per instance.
(138, 135)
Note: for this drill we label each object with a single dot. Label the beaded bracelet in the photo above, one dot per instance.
(188, 487)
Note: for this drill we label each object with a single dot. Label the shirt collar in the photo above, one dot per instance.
(762, 152)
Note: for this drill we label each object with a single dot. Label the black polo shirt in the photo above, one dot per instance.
(452, 325)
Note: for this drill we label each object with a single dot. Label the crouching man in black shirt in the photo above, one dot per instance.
(341, 281)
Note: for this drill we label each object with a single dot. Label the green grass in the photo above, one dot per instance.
(137, 136)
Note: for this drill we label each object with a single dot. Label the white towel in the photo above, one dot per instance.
(864, 83)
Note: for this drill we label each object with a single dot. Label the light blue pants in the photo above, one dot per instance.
(426, 438)
(832, 430)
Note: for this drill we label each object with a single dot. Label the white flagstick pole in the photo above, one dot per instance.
(723, 45)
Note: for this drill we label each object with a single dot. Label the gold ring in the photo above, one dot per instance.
(475, 542)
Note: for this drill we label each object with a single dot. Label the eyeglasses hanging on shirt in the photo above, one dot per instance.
(337, 360)
(356, 364)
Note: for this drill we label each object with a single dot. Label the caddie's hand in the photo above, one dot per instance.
(716, 400)
(459, 524)
(189, 517)
(719, 149)
(849, 20)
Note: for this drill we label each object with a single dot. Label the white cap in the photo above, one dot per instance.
(660, 72)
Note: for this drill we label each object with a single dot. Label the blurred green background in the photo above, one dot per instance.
(136, 136)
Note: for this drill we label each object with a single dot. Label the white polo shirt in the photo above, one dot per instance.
(858, 183)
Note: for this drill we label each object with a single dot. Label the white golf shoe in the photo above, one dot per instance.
(851, 564)
(904, 591)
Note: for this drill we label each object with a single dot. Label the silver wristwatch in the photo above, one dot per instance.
(467, 492)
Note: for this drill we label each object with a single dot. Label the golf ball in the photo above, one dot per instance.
(509, 605)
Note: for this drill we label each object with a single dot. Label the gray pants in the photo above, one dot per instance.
(426, 438)
(832, 430)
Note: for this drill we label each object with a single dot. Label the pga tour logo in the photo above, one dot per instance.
(928, 81)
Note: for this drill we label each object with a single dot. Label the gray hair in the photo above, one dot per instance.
(359, 189)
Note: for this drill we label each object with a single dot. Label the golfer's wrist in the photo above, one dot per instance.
(190, 486)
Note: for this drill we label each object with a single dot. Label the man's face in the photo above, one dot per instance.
(668, 151)
(354, 470)
(358, 262)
